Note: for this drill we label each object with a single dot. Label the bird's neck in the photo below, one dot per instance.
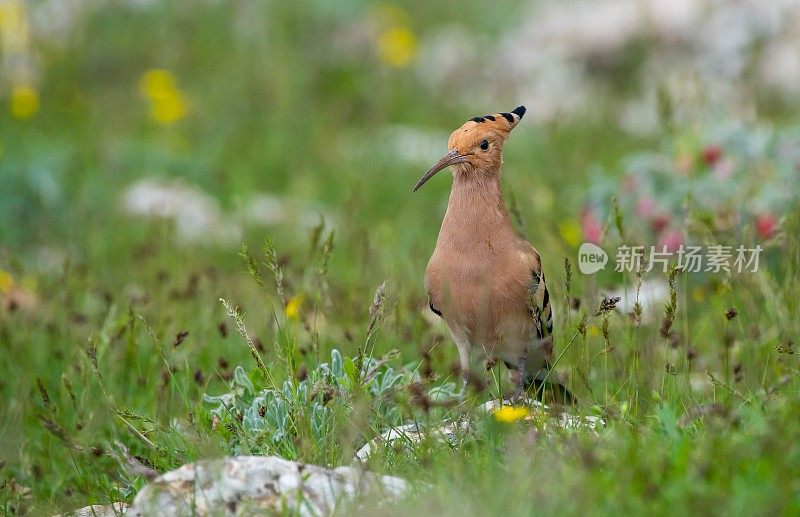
(476, 213)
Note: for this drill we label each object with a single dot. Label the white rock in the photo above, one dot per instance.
(245, 485)
(100, 510)
(409, 434)
(413, 433)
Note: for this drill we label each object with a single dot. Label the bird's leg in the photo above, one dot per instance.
(465, 366)
(519, 390)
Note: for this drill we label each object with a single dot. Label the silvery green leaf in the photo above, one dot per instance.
(288, 391)
(443, 392)
(337, 366)
(240, 377)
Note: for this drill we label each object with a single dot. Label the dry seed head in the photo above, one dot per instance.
(271, 261)
(91, 354)
(43, 393)
(671, 308)
(327, 247)
(785, 347)
(416, 388)
(68, 386)
(377, 309)
(737, 372)
(315, 236)
(179, 337)
(637, 313)
(583, 324)
(607, 305)
(250, 263)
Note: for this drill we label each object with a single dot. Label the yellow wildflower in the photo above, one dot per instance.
(397, 46)
(167, 103)
(154, 83)
(6, 281)
(24, 102)
(292, 308)
(169, 108)
(511, 414)
(571, 232)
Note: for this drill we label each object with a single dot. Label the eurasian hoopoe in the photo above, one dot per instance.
(485, 282)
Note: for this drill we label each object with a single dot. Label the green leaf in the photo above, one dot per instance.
(350, 369)
(336, 363)
(240, 377)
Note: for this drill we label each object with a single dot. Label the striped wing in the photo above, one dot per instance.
(539, 297)
(542, 312)
(540, 305)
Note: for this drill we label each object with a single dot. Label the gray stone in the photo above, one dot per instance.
(247, 485)
(100, 510)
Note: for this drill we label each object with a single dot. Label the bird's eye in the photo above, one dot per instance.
(485, 145)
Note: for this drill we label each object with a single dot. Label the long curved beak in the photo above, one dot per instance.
(447, 160)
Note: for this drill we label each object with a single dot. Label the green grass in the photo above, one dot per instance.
(96, 361)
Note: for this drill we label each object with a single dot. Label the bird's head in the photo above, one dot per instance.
(477, 146)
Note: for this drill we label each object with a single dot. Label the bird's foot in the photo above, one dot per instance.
(464, 385)
(519, 391)
(519, 395)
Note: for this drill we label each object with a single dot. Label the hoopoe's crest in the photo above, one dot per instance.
(477, 145)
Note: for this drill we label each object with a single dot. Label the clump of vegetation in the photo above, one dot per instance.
(271, 420)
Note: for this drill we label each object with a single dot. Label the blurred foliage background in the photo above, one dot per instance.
(143, 141)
